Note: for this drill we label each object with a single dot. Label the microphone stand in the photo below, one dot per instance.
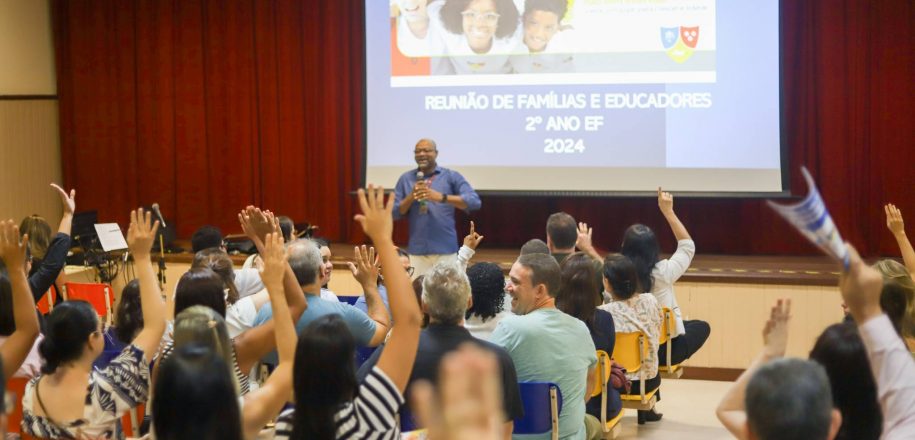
(161, 274)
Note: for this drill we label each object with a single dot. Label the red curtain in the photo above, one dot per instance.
(206, 106)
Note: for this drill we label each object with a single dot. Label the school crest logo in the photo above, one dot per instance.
(679, 42)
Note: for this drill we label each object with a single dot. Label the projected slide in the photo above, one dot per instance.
(578, 95)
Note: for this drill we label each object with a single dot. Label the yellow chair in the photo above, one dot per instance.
(631, 351)
(667, 324)
(611, 428)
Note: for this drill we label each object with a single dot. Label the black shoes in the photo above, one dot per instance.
(649, 416)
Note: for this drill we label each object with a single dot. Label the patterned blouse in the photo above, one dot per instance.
(639, 313)
(112, 391)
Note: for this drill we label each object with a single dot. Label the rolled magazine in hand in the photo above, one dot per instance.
(812, 219)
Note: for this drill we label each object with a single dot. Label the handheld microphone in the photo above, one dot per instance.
(155, 208)
(423, 208)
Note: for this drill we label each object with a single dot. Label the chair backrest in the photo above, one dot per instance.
(97, 294)
(47, 301)
(603, 372)
(629, 350)
(16, 386)
(407, 421)
(351, 300)
(538, 407)
(667, 323)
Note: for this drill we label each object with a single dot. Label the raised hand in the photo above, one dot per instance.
(142, 233)
(274, 260)
(376, 218)
(468, 405)
(68, 201)
(861, 286)
(473, 239)
(256, 224)
(665, 202)
(12, 248)
(894, 220)
(364, 266)
(775, 333)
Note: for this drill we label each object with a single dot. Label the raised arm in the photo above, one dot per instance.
(896, 225)
(44, 276)
(265, 403)
(69, 204)
(471, 241)
(376, 219)
(18, 345)
(584, 242)
(890, 361)
(666, 204)
(365, 271)
(256, 225)
(468, 404)
(259, 341)
(140, 237)
(732, 410)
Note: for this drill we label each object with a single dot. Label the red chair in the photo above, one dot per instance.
(131, 420)
(16, 386)
(46, 303)
(97, 294)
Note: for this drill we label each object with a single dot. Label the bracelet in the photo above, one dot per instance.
(444, 198)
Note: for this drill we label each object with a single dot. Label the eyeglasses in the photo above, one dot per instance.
(410, 270)
(427, 151)
(486, 17)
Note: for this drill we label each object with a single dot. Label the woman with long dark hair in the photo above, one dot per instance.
(657, 276)
(578, 297)
(633, 311)
(840, 351)
(71, 399)
(330, 403)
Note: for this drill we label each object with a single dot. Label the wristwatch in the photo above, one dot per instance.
(444, 198)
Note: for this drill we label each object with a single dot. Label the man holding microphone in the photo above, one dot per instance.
(427, 196)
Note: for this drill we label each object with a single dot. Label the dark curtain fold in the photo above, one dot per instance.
(206, 106)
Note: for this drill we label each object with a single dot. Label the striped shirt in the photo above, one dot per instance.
(372, 414)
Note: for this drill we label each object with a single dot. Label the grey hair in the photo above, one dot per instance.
(305, 260)
(446, 291)
(204, 326)
(789, 399)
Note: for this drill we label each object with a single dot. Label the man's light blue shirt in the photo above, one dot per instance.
(548, 345)
(359, 324)
(433, 233)
(364, 307)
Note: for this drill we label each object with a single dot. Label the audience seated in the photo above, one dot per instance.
(634, 312)
(577, 297)
(546, 344)
(487, 286)
(198, 376)
(657, 277)
(247, 282)
(70, 399)
(841, 352)
(445, 297)
(330, 403)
